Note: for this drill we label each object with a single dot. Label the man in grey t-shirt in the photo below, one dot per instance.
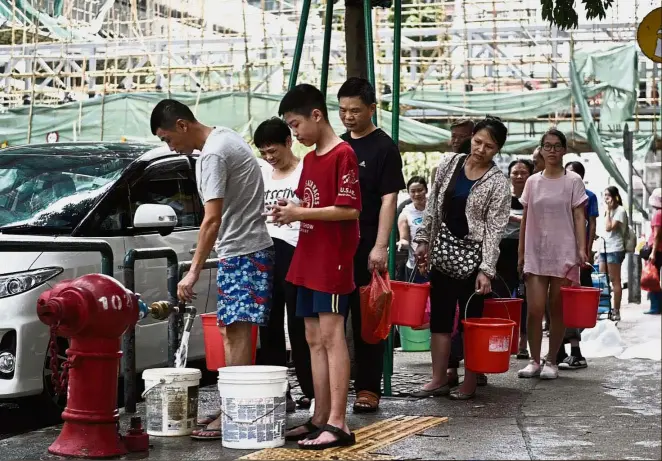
(230, 186)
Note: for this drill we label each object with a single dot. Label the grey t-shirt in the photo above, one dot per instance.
(228, 169)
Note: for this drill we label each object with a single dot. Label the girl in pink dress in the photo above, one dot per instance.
(552, 247)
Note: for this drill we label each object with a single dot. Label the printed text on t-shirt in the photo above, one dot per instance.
(272, 196)
(347, 189)
(311, 195)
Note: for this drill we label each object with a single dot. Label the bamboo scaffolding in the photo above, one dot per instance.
(446, 45)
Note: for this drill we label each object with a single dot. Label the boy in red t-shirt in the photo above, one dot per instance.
(323, 262)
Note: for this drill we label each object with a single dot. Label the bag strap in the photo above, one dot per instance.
(451, 186)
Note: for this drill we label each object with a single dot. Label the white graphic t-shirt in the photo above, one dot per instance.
(414, 221)
(281, 189)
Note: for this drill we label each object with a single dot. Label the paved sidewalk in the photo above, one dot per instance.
(609, 411)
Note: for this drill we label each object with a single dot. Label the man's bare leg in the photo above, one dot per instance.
(332, 329)
(320, 367)
(237, 342)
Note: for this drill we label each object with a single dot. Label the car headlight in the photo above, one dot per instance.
(20, 282)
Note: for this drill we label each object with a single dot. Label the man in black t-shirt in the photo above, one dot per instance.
(380, 178)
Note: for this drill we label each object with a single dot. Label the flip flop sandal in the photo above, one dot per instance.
(304, 403)
(206, 434)
(438, 392)
(366, 402)
(523, 355)
(206, 421)
(310, 428)
(343, 439)
(457, 395)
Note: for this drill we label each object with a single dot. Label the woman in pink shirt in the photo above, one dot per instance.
(552, 247)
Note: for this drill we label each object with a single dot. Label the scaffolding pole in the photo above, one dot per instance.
(395, 134)
(326, 47)
(370, 53)
(298, 49)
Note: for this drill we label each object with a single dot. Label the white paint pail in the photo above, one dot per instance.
(171, 397)
(253, 404)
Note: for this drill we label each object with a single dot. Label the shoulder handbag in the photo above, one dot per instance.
(455, 257)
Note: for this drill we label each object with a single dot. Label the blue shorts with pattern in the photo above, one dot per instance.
(244, 288)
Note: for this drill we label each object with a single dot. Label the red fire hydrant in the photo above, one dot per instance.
(93, 311)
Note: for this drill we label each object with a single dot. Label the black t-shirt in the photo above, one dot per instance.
(515, 204)
(380, 173)
(456, 212)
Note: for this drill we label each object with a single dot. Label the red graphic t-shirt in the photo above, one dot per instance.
(324, 256)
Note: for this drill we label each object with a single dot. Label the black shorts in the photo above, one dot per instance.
(310, 303)
(445, 294)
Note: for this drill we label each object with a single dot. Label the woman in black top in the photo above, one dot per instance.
(519, 171)
(458, 243)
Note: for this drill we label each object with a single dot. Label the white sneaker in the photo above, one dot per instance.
(530, 371)
(549, 371)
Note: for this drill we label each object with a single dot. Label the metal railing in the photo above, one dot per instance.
(129, 337)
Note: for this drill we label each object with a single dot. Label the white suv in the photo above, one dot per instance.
(89, 191)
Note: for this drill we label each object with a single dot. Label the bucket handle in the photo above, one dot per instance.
(474, 294)
(413, 275)
(149, 389)
(587, 265)
(256, 419)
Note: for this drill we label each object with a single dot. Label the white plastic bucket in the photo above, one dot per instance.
(171, 396)
(253, 406)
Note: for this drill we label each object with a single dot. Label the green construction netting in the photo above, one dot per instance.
(614, 67)
(127, 116)
(514, 106)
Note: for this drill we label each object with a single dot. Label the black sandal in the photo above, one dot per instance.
(343, 439)
(310, 428)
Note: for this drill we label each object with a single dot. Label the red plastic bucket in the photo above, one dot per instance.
(580, 306)
(487, 344)
(506, 308)
(408, 306)
(214, 348)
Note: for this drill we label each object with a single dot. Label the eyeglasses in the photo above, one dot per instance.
(548, 147)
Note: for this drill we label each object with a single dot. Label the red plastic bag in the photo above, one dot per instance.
(650, 278)
(376, 300)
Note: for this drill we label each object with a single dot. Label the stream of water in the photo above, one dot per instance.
(181, 356)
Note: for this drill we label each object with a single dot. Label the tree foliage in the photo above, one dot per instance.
(562, 14)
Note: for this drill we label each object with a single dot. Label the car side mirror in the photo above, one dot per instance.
(161, 218)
